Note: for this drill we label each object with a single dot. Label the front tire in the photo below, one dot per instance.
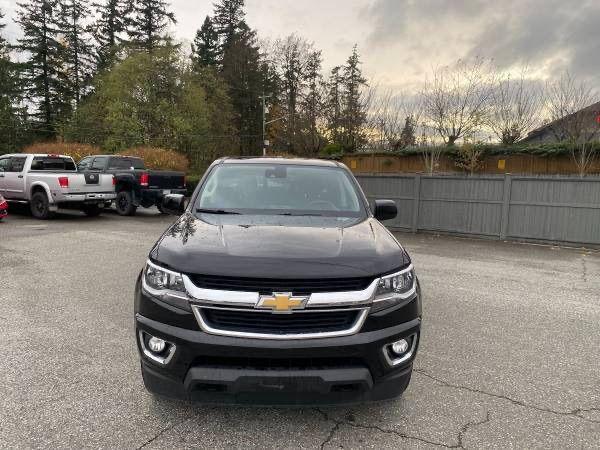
(124, 204)
(40, 206)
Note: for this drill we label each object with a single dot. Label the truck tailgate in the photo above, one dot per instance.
(162, 179)
(92, 182)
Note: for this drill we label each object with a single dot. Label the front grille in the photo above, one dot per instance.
(270, 285)
(240, 362)
(279, 324)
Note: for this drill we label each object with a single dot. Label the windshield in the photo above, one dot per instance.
(279, 189)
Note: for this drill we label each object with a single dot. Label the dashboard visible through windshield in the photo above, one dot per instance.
(279, 189)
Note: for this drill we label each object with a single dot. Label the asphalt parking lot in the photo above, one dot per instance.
(510, 353)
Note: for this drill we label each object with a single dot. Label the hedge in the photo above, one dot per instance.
(159, 158)
(74, 150)
(553, 149)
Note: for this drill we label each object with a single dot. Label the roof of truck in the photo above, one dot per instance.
(49, 155)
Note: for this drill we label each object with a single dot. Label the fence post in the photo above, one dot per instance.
(416, 202)
(505, 206)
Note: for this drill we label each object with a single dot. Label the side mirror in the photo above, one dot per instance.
(385, 209)
(173, 204)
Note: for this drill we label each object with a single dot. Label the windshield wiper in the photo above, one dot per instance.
(215, 211)
(300, 214)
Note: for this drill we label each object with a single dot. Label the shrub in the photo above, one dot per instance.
(72, 149)
(468, 158)
(159, 158)
(332, 151)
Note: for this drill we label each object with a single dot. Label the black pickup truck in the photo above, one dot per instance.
(278, 284)
(135, 185)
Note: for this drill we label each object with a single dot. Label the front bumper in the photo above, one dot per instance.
(223, 369)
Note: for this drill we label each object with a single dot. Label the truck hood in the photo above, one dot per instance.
(279, 247)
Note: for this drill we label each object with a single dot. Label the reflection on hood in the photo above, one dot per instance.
(278, 246)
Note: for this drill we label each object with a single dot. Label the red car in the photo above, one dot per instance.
(3, 208)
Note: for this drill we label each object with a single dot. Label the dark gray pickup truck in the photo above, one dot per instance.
(135, 185)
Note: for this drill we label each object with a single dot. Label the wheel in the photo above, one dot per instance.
(92, 210)
(40, 206)
(160, 208)
(124, 204)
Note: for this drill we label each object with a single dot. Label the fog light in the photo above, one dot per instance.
(400, 347)
(157, 345)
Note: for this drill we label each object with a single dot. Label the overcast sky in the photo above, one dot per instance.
(401, 40)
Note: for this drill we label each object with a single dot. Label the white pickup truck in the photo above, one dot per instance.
(49, 182)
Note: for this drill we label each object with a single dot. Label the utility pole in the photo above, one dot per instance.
(264, 123)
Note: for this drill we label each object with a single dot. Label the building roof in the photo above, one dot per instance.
(595, 107)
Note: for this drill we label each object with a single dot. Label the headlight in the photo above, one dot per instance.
(392, 289)
(166, 285)
(163, 279)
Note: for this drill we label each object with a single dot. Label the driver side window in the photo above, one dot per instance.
(4, 163)
(17, 163)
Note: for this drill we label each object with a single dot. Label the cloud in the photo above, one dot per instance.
(548, 35)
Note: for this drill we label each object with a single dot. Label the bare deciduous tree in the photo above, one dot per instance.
(515, 107)
(456, 99)
(429, 151)
(383, 120)
(571, 120)
(292, 56)
(387, 118)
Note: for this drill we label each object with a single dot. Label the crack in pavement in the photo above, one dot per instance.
(466, 427)
(350, 422)
(332, 432)
(575, 413)
(584, 271)
(164, 430)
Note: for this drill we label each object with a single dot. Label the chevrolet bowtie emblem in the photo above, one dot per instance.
(281, 302)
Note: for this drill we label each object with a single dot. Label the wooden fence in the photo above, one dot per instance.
(515, 164)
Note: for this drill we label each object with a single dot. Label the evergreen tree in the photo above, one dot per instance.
(3, 43)
(333, 105)
(407, 135)
(222, 132)
(10, 115)
(229, 21)
(77, 51)
(42, 83)
(242, 68)
(312, 104)
(110, 30)
(149, 22)
(354, 114)
(246, 77)
(205, 48)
